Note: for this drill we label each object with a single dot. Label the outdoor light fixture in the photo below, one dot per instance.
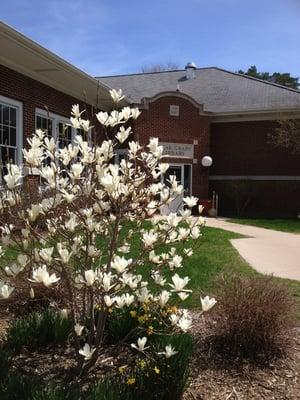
(206, 161)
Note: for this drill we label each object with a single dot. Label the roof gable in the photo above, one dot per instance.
(219, 91)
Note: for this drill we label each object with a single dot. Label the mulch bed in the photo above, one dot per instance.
(216, 378)
(212, 376)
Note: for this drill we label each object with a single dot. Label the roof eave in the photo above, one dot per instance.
(65, 78)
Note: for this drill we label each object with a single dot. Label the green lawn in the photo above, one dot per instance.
(215, 255)
(284, 225)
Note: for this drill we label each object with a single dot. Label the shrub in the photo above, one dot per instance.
(255, 316)
(38, 329)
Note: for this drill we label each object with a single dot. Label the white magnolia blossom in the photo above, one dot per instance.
(41, 275)
(184, 323)
(207, 302)
(13, 270)
(87, 352)
(149, 238)
(5, 290)
(116, 95)
(174, 318)
(141, 344)
(63, 253)
(90, 277)
(169, 351)
(78, 329)
(123, 134)
(14, 176)
(76, 111)
(108, 301)
(183, 295)
(120, 264)
(190, 201)
(179, 284)
(163, 298)
(46, 254)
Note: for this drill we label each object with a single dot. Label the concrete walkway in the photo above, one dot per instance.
(266, 250)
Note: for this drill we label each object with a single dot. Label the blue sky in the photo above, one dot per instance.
(105, 37)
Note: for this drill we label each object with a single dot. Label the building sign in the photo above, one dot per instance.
(178, 150)
(174, 110)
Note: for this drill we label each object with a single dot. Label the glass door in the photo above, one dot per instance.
(183, 177)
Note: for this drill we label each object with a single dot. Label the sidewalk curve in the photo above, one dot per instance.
(266, 250)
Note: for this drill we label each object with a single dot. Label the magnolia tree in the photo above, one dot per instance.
(69, 235)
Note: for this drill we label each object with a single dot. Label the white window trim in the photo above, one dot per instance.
(56, 118)
(19, 125)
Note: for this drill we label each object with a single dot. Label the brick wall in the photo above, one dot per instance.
(34, 94)
(187, 127)
(243, 149)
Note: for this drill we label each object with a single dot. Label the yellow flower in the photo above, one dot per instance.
(133, 313)
(122, 369)
(142, 364)
(156, 370)
(130, 381)
(110, 310)
(150, 330)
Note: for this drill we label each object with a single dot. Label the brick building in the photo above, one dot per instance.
(195, 113)
(198, 112)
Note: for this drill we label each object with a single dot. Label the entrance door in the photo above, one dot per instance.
(183, 177)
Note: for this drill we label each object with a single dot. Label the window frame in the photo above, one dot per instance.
(56, 119)
(19, 125)
(18, 105)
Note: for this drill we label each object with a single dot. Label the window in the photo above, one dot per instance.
(45, 124)
(57, 127)
(64, 135)
(10, 133)
(54, 125)
(120, 154)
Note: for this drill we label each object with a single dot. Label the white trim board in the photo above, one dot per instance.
(19, 131)
(254, 177)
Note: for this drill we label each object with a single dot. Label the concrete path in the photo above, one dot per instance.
(266, 250)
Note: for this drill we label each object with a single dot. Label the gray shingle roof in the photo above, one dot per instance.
(219, 91)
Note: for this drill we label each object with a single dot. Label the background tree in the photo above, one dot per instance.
(160, 67)
(287, 135)
(284, 79)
